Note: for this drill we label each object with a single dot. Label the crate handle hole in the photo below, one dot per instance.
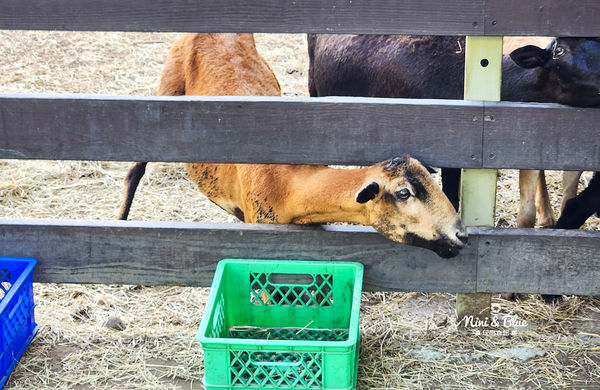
(287, 279)
(275, 364)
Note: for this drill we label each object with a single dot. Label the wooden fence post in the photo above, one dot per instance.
(483, 78)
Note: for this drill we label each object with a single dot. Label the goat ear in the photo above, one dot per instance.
(367, 193)
(530, 56)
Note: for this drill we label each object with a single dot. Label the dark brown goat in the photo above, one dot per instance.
(567, 71)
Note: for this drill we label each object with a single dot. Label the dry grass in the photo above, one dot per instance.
(409, 339)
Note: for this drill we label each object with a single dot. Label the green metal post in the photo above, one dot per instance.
(483, 78)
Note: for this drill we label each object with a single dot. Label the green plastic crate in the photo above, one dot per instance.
(282, 324)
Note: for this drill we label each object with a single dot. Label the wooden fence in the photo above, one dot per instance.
(466, 134)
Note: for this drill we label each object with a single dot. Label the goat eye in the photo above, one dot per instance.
(559, 51)
(403, 194)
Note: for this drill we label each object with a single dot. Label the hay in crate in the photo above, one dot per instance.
(409, 340)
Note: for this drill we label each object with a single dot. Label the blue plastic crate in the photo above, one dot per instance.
(17, 323)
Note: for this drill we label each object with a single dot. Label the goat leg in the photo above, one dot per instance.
(580, 208)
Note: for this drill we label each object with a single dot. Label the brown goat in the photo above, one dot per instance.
(398, 197)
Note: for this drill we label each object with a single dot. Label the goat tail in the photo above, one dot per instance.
(135, 174)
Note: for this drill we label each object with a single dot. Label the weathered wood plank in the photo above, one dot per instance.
(162, 253)
(542, 17)
(336, 130)
(539, 261)
(159, 253)
(440, 17)
(351, 131)
(540, 136)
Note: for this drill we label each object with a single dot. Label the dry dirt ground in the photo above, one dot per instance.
(410, 340)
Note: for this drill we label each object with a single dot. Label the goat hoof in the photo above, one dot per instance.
(525, 220)
(547, 222)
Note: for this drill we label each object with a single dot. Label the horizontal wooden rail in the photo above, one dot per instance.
(542, 17)
(335, 130)
(238, 130)
(163, 253)
(439, 17)
(540, 136)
